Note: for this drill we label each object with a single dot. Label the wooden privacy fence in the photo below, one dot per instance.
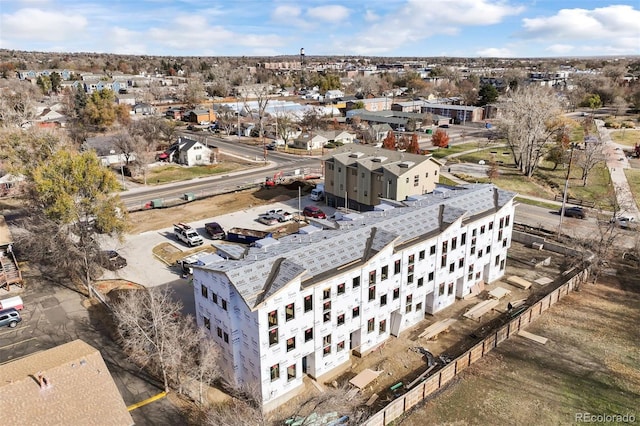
(439, 379)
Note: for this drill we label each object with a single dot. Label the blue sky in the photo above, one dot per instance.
(468, 28)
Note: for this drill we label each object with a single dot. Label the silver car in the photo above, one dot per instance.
(9, 318)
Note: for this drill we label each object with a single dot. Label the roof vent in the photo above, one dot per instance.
(376, 160)
(403, 165)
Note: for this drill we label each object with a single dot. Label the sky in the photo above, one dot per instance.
(423, 28)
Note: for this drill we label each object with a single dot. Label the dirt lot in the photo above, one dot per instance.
(150, 220)
(591, 363)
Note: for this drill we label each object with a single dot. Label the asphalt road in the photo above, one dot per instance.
(289, 164)
(540, 217)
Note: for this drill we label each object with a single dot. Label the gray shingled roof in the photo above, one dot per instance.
(264, 271)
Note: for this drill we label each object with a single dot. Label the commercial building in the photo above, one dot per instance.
(305, 303)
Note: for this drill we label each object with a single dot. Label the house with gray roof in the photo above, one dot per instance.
(361, 176)
(189, 152)
(304, 304)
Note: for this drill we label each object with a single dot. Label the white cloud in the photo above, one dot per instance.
(611, 23)
(607, 30)
(204, 37)
(560, 49)
(495, 52)
(334, 13)
(417, 20)
(284, 13)
(126, 42)
(371, 16)
(36, 24)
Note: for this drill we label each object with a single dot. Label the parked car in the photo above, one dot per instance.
(623, 221)
(215, 231)
(112, 260)
(315, 212)
(9, 318)
(576, 212)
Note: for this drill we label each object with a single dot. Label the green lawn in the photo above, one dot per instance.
(546, 182)
(626, 137)
(455, 149)
(174, 173)
(446, 181)
(633, 177)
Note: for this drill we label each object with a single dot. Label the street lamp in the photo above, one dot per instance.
(566, 188)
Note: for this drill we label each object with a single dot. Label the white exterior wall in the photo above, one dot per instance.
(249, 356)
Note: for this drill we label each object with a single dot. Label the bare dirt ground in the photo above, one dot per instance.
(150, 220)
(591, 363)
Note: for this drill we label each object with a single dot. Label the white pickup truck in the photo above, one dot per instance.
(187, 234)
(280, 215)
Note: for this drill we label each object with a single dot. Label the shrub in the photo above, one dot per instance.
(628, 124)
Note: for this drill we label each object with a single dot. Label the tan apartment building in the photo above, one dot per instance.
(361, 177)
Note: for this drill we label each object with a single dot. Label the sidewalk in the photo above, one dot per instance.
(616, 163)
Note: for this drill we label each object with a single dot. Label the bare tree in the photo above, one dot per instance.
(126, 145)
(193, 92)
(619, 106)
(527, 123)
(285, 126)
(155, 336)
(589, 157)
(227, 119)
(17, 103)
(260, 95)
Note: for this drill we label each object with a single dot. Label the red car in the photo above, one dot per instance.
(313, 211)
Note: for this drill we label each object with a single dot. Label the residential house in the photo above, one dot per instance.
(334, 94)
(93, 85)
(69, 384)
(126, 99)
(51, 116)
(32, 74)
(379, 132)
(310, 141)
(340, 136)
(174, 113)
(143, 109)
(289, 308)
(365, 175)
(107, 151)
(199, 116)
(190, 152)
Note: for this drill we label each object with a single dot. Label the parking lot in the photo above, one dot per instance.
(53, 315)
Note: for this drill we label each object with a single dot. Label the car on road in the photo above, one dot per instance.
(9, 318)
(112, 260)
(623, 221)
(314, 212)
(577, 212)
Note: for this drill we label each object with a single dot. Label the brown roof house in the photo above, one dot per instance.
(67, 385)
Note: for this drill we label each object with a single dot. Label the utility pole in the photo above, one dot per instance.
(566, 188)
(302, 83)
(238, 115)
